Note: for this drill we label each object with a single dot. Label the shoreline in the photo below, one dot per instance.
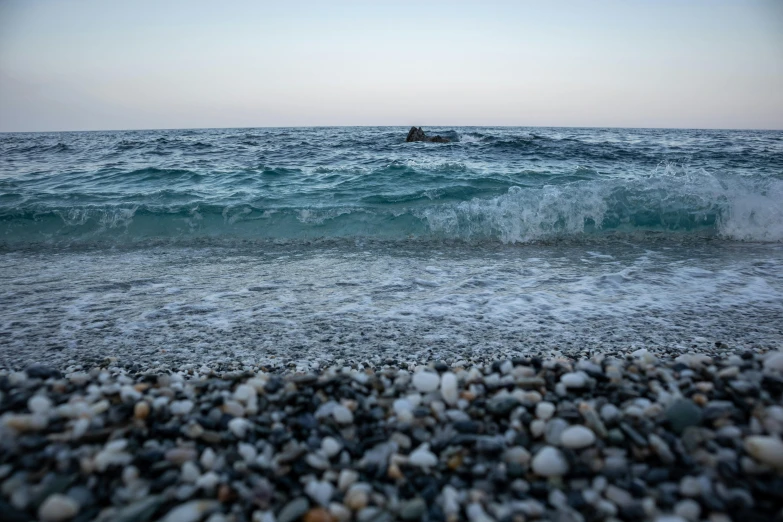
(636, 435)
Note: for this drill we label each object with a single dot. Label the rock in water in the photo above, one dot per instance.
(416, 134)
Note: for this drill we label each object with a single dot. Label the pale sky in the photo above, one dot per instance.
(144, 64)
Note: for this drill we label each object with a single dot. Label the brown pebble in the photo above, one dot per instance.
(454, 462)
(318, 515)
(141, 386)
(467, 395)
(141, 411)
(225, 494)
(394, 472)
(699, 398)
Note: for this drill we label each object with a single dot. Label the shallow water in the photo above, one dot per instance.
(314, 304)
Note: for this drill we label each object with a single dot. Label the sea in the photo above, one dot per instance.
(306, 246)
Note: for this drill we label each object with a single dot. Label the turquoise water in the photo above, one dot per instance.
(506, 185)
(313, 245)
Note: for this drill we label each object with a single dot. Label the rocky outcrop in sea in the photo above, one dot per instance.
(416, 134)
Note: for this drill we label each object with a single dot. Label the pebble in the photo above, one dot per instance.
(57, 508)
(413, 509)
(346, 479)
(577, 437)
(690, 487)
(682, 414)
(773, 363)
(767, 450)
(357, 497)
(549, 462)
(342, 415)
(141, 410)
(545, 410)
(239, 427)
(423, 457)
(448, 388)
(517, 455)
(294, 510)
(574, 380)
(320, 491)
(181, 407)
(191, 511)
(426, 382)
(244, 393)
(331, 446)
(652, 438)
(39, 404)
(317, 515)
(688, 509)
(610, 413)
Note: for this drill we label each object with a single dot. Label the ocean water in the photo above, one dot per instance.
(322, 243)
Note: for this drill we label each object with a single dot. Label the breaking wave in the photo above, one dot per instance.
(674, 204)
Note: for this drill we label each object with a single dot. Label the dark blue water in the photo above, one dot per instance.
(505, 185)
(315, 245)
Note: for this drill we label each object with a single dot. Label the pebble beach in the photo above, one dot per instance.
(637, 435)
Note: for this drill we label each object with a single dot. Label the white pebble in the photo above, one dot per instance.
(549, 462)
(191, 511)
(320, 491)
(331, 446)
(346, 479)
(247, 451)
(517, 455)
(39, 404)
(450, 497)
(448, 388)
(342, 415)
(688, 509)
(129, 394)
(537, 428)
(690, 487)
(208, 458)
(208, 481)
(774, 362)
(402, 405)
(476, 513)
(57, 507)
(423, 457)
(190, 472)
(577, 437)
(426, 382)
(181, 407)
(574, 380)
(768, 450)
(545, 410)
(239, 427)
(609, 412)
(244, 393)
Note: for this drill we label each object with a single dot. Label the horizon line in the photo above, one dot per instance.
(144, 129)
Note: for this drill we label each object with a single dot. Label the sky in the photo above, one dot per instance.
(147, 64)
